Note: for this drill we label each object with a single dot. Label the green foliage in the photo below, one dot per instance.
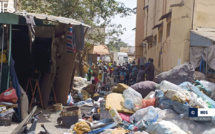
(116, 45)
(93, 12)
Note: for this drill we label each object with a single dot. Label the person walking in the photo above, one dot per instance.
(141, 74)
(123, 76)
(134, 73)
(127, 76)
(150, 70)
(89, 74)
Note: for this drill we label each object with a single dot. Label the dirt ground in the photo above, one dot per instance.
(48, 118)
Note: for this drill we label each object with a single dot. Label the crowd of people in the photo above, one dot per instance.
(126, 73)
(131, 73)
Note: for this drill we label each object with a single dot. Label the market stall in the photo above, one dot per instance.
(39, 56)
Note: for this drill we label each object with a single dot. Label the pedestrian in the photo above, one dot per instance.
(127, 76)
(89, 74)
(100, 73)
(114, 63)
(96, 78)
(134, 73)
(122, 76)
(133, 62)
(150, 70)
(104, 75)
(91, 89)
(141, 74)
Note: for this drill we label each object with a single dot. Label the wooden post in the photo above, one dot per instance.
(9, 54)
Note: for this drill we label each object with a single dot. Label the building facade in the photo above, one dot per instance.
(163, 29)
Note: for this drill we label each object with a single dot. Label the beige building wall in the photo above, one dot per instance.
(174, 49)
(180, 35)
(139, 29)
(158, 52)
(204, 15)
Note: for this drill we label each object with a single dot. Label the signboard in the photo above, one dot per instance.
(7, 6)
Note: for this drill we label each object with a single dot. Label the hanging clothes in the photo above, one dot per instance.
(71, 47)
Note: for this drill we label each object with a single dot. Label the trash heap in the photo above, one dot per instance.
(8, 101)
(146, 107)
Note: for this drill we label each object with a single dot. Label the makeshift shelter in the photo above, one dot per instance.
(99, 50)
(44, 50)
(202, 50)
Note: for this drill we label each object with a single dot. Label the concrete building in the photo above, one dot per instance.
(130, 50)
(163, 29)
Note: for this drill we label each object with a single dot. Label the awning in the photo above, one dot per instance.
(148, 38)
(202, 37)
(101, 50)
(158, 25)
(199, 53)
(53, 18)
(202, 45)
(166, 15)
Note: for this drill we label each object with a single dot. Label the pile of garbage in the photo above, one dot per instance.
(146, 107)
(8, 101)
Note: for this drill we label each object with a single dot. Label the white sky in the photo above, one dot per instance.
(128, 22)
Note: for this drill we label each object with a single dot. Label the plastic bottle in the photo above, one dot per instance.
(130, 93)
(126, 124)
(165, 85)
(151, 116)
(137, 103)
(202, 104)
(140, 125)
(133, 99)
(128, 103)
(138, 115)
(115, 115)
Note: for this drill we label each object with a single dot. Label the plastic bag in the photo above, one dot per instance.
(199, 93)
(139, 115)
(165, 103)
(9, 96)
(209, 85)
(164, 127)
(150, 102)
(70, 101)
(187, 125)
(204, 88)
(125, 117)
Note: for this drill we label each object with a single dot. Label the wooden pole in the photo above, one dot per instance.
(9, 54)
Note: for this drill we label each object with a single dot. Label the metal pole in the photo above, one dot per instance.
(2, 50)
(9, 54)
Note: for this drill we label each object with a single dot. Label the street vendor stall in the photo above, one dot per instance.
(202, 50)
(39, 56)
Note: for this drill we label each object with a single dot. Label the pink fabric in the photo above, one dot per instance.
(125, 117)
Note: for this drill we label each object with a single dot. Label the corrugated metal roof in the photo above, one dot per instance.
(205, 32)
(54, 18)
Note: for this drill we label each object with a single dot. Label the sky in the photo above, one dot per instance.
(128, 22)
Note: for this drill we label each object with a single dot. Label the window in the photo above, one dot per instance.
(126, 59)
(160, 34)
(155, 40)
(150, 43)
(168, 27)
